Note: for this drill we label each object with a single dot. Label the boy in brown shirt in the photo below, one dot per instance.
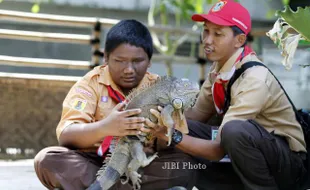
(93, 112)
(259, 131)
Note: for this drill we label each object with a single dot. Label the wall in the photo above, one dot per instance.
(30, 110)
(295, 80)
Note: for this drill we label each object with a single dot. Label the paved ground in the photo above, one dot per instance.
(18, 175)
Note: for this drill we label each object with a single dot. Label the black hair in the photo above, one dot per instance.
(129, 32)
(236, 30)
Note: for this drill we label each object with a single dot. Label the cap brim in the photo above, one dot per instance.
(211, 18)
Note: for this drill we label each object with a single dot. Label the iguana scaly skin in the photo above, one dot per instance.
(174, 96)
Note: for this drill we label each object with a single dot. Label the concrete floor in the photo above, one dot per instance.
(19, 175)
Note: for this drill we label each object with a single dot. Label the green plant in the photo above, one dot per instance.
(181, 10)
(290, 30)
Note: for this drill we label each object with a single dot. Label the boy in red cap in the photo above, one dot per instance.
(259, 131)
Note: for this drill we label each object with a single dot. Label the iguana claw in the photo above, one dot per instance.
(135, 178)
(169, 135)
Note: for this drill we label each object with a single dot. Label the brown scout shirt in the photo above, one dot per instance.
(254, 95)
(88, 99)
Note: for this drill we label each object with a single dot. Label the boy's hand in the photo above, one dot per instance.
(122, 122)
(157, 129)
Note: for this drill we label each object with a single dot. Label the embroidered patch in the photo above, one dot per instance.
(79, 104)
(218, 6)
(104, 98)
(82, 91)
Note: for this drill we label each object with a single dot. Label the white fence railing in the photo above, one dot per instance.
(92, 39)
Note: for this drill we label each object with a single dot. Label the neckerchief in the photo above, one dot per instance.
(221, 78)
(117, 97)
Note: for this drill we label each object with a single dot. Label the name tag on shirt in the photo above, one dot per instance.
(214, 132)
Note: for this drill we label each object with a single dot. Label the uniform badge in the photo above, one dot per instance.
(218, 6)
(79, 104)
(82, 91)
(104, 98)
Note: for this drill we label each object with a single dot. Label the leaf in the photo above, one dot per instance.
(175, 3)
(198, 6)
(304, 43)
(35, 8)
(189, 6)
(285, 2)
(185, 8)
(299, 20)
(199, 9)
(285, 40)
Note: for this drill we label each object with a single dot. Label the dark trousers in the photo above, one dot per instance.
(259, 160)
(60, 167)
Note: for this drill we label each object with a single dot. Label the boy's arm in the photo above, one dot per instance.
(78, 128)
(208, 149)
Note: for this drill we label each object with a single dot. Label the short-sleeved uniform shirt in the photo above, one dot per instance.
(255, 95)
(88, 100)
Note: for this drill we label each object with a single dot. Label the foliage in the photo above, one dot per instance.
(299, 20)
(285, 2)
(289, 31)
(181, 10)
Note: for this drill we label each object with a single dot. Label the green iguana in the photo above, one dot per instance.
(174, 95)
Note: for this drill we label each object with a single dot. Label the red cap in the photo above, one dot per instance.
(227, 13)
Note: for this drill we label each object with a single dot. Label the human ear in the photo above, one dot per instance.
(240, 40)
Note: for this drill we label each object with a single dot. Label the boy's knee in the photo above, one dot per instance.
(41, 160)
(40, 157)
(232, 132)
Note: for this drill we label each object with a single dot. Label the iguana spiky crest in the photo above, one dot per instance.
(174, 95)
(134, 92)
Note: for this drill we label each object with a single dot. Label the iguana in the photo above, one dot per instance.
(174, 95)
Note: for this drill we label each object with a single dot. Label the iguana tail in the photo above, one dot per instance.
(114, 169)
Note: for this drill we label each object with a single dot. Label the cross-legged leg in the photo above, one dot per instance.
(261, 159)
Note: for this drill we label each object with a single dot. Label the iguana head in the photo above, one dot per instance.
(182, 95)
(173, 94)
